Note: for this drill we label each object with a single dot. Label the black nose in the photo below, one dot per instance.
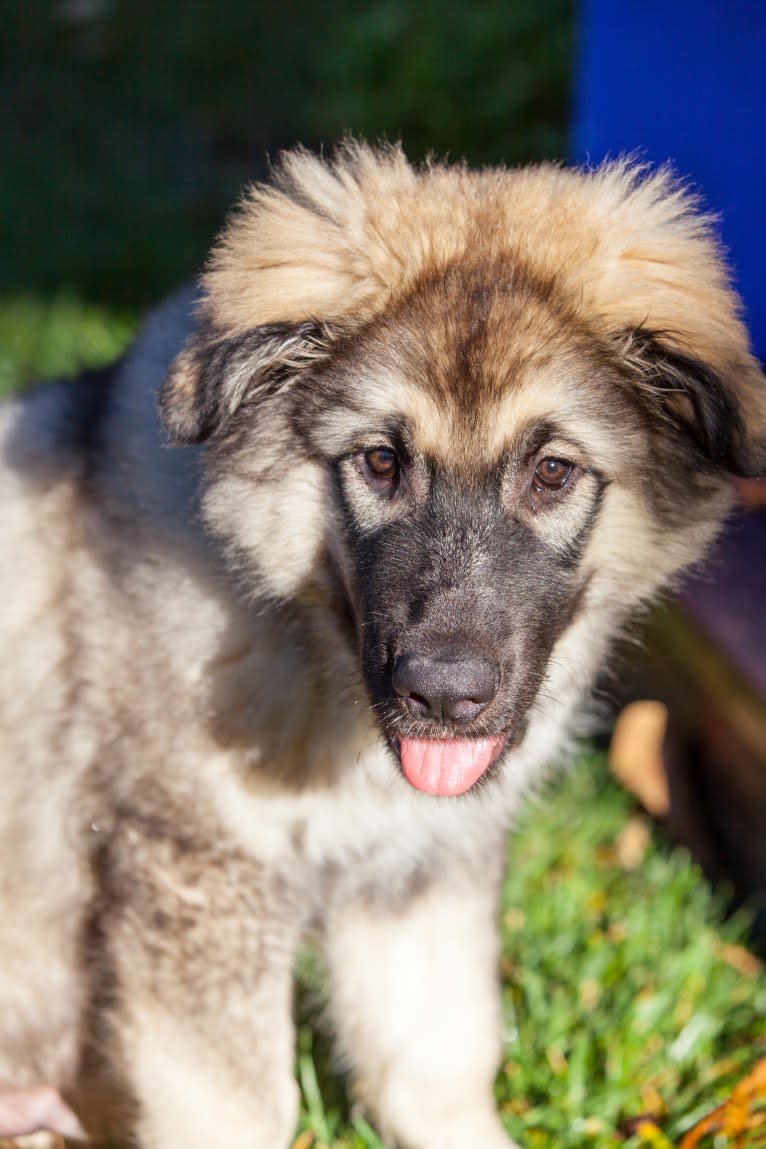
(444, 688)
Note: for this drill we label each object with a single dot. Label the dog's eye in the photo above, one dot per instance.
(382, 464)
(553, 473)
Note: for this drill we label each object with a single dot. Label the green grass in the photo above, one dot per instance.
(621, 993)
(60, 336)
(617, 993)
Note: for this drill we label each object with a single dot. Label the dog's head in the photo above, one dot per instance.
(490, 413)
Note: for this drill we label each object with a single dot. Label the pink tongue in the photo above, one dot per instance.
(447, 768)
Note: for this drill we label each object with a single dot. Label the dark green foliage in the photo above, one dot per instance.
(129, 127)
(486, 80)
(40, 339)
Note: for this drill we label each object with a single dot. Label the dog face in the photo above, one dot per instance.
(475, 439)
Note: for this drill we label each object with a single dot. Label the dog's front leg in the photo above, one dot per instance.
(201, 942)
(416, 1007)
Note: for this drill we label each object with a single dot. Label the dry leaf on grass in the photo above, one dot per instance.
(738, 1117)
(740, 959)
(304, 1140)
(635, 754)
(633, 842)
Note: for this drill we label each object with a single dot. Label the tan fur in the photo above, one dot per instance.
(626, 246)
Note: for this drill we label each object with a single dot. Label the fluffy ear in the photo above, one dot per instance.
(723, 415)
(209, 380)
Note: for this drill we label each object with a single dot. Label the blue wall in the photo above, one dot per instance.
(685, 80)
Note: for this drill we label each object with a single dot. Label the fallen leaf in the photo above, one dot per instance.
(303, 1140)
(635, 754)
(741, 1113)
(633, 842)
(740, 959)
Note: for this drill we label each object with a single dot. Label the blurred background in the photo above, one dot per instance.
(129, 127)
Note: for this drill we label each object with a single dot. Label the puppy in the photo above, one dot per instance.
(438, 434)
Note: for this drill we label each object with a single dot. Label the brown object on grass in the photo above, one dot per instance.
(742, 1113)
(635, 754)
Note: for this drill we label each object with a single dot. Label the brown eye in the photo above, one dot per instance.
(553, 473)
(382, 463)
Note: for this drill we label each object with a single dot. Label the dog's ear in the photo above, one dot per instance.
(724, 414)
(213, 375)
